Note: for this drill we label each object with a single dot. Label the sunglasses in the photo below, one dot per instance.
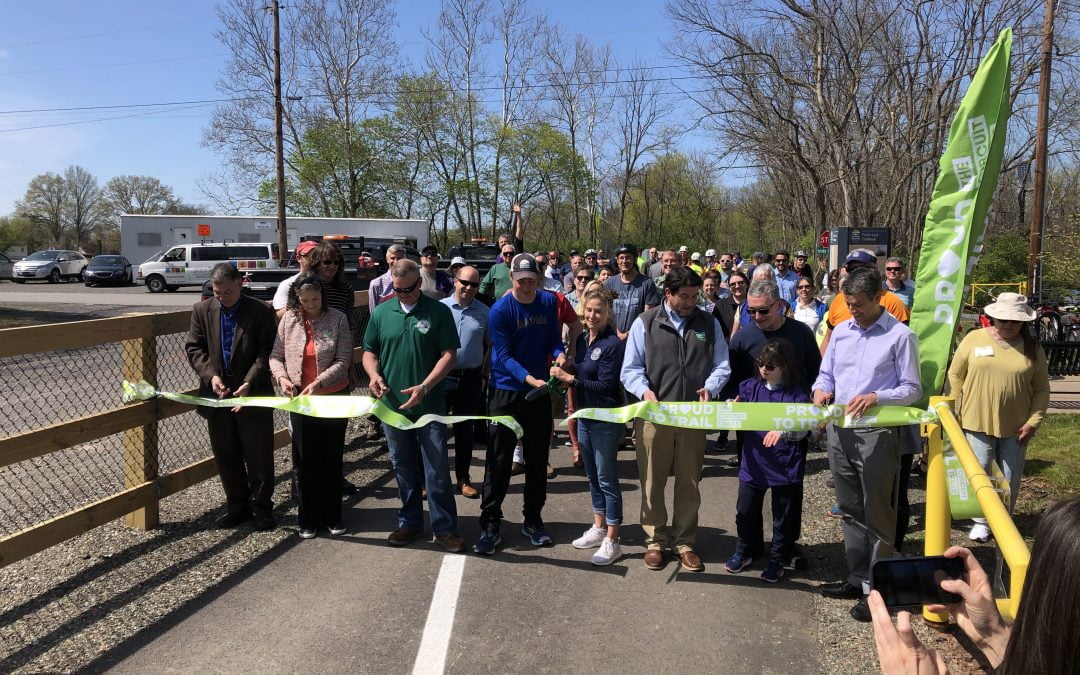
(894, 269)
(469, 284)
(758, 311)
(804, 287)
(779, 260)
(766, 367)
(430, 255)
(583, 278)
(339, 263)
(507, 254)
(406, 291)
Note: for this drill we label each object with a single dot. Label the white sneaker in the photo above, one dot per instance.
(980, 533)
(519, 454)
(609, 552)
(592, 538)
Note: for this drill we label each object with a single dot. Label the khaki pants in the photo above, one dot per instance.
(659, 450)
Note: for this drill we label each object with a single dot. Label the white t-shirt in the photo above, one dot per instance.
(281, 295)
(807, 315)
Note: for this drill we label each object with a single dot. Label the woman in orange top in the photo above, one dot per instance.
(311, 356)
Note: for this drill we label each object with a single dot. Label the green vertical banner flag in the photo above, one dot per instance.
(956, 221)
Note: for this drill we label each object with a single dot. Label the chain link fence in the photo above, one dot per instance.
(48, 388)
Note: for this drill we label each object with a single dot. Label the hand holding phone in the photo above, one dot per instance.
(906, 583)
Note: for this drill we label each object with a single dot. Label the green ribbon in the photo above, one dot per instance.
(314, 406)
(719, 415)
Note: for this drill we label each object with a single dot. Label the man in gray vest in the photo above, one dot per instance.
(675, 352)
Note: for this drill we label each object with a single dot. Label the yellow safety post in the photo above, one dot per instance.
(1008, 538)
(938, 515)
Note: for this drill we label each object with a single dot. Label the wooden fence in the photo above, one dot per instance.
(144, 488)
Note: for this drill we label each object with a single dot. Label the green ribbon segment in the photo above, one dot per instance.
(315, 406)
(720, 415)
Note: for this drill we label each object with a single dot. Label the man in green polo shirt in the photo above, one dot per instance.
(409, 347)
(497, 280)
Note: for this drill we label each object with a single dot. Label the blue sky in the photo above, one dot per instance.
(68, 54)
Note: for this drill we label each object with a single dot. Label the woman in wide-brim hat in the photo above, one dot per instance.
(999, 379)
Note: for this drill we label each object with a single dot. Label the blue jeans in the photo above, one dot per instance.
(599, 442)
(412, 474)
(1007, 452)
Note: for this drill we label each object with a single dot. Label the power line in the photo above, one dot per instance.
(111, 65)
(99, 119)
(72, 38)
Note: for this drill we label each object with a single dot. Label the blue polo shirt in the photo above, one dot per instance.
(471, 323)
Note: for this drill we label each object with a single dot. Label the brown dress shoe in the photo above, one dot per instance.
(691, 562)
(655, 559)
(402, 536)
(467, 490)
(451, 542)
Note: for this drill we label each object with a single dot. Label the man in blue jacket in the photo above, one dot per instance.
(525, 335)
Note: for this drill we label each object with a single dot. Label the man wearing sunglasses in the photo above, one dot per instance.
(838, 309)
(634, 292)
(497, 281)
(786, 278)
(409, 347)
(464, 385)
(434, 283)
(896, 281)
(525, 335)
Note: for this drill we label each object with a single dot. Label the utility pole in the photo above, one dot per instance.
(279, 153)
(1038, 197)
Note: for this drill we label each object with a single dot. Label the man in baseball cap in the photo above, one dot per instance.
(525, 334)
(281, 295)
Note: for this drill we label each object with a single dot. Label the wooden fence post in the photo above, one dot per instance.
(139, 362)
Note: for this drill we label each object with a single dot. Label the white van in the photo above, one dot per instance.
(190, 264)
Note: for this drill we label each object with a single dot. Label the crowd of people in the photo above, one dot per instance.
(536, 339)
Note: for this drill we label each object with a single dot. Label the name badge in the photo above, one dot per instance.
(984, 351)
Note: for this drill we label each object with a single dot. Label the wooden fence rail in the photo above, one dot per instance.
(144, 488)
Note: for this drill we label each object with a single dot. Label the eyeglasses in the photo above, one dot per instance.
(406, 291)
(894, 269)
(766, 368)
(507, 254)
(804, 287)
(779, 260)
(430, 255)
(469, 284)
(758, 311)
(582, 278)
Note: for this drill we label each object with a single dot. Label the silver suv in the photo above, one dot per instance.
(55, 265)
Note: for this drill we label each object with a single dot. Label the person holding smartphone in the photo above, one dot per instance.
(1044, 636)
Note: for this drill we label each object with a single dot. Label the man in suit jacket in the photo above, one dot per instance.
(238, 365)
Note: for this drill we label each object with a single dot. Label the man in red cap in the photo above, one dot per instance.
(281, 296)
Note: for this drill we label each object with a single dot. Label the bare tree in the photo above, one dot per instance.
(84, 203)
(640, 113)
(576, 74)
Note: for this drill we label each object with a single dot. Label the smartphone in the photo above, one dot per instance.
(906, 583)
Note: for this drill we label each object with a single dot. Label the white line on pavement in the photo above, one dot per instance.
(431, 658)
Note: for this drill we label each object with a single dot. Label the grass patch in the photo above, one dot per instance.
(1052, 457)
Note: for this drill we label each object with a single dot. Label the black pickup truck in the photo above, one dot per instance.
(365, 260)
(481, 255)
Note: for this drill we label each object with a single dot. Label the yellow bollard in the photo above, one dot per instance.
(938, 515)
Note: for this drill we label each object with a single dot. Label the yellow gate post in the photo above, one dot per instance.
(139, 362)
(938, 515)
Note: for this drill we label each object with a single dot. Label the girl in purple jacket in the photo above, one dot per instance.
(773, 460)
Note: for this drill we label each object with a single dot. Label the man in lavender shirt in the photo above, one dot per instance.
(382, 288)
(871, 360)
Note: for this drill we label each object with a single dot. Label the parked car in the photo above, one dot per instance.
(108, 269)
(54, 265)
(5, 267)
